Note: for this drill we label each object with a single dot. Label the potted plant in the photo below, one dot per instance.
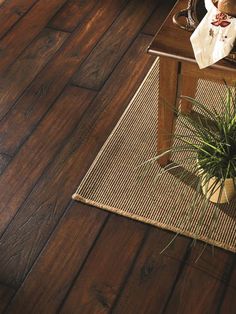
(211, 137)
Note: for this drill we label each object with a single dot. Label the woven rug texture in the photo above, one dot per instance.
(116, 183)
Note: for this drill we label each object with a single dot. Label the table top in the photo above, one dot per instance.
(172, 41)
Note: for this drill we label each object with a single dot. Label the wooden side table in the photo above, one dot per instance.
(179, 74)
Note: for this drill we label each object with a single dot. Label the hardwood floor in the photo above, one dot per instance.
(68, 69)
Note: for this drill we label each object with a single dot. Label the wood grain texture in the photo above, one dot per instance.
(112, 46)
(72, 14)
(158, 17)
(25, 69)
(51, 194)
(188, 88)
(229, 300)
(48, 85)
(202, 283)
(6, 293)
(4, 161)
(97, 285)
(25, 30)
(232, 280)
(196, 292)
(51, 277)
(11, 11)
(213, 261)
(52, 246)
(229, 304)
(29, 164)
(153, 275)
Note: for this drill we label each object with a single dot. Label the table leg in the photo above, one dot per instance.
(188, 88)
(168, 88)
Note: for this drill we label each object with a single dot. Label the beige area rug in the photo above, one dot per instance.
(114, 182)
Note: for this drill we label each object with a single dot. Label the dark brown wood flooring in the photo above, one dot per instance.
(68, 69)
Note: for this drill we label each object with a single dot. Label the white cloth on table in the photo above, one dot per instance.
(214, 37)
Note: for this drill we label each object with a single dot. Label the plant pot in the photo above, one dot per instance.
(221, 192)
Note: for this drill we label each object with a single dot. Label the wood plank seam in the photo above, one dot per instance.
(58, 53)
(36, 126)
(131, 43)
(50, 23)
(65, 209)
(58, 29)
(190, 264)
(6, 294)
(52, 159)
(226, 275)
(6, 155)
(1, 37)
(7, 285)
(39, 254)
(131, 266)
(15, 59)
(11, 157)
(73, 83)
(226, 285)
(22, 52)
(85, 260)
(101, 111)
(8, 62)
(43, 68)
(71, 79)
(161, 3)
(106, 36)
(153, 14)
(181, 269)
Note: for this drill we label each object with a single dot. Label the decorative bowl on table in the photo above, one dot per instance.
(193, 15)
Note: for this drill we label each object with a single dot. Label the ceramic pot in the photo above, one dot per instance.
(217, 192)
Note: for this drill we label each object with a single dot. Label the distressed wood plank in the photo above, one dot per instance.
(24, 70)
(201, 285)
(4, 161)
(50, 196)
(101, 62)
(232, 279)
(6, 293)
(213, 261)
(153, 275)
(35, 155)
(29, 231)
(206, 272)
(38, 98)
(11, 11)
(72, 14)
(158, 17)
(229, 303)
(98, 284)
(196, 292)
(55, 270)
(23, 32)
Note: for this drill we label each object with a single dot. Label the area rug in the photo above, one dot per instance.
(116, 182)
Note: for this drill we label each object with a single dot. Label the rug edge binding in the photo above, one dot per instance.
(80, 198)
